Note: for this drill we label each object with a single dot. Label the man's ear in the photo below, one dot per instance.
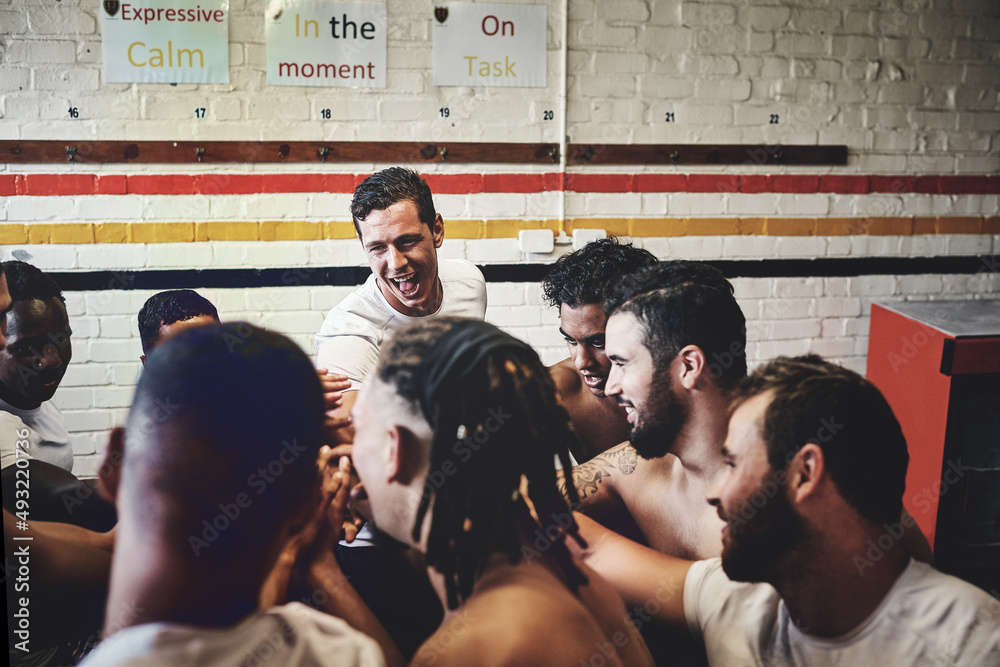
(142, 358)
(437, 230)
(403, 455)
(393, 454)
(806, 471)
(692, 365)
(109, 474)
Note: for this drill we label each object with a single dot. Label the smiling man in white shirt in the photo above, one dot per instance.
(400, 231)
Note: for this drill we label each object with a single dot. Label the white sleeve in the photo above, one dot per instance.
(353, 356)
(697, 587)
(11, 430)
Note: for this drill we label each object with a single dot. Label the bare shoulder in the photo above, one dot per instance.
(566, 379)
(531, 618)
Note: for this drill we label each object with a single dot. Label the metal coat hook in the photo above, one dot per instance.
(199, 153)
(554, 154)
(71, 153)
(675, 156)
(443, 152)
(323, 152)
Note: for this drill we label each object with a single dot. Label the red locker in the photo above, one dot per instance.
(938, 365)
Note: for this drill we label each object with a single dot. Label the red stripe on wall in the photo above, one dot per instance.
(40, 185)
(11, 185)
(235, 184)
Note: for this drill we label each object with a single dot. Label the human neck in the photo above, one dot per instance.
(151, 583)
(12, 397)
(699, 444)
(828, 593)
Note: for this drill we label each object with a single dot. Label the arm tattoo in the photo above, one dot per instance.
(587, 477)
(627, 460)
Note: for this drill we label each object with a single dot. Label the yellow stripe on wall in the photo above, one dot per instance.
(76, 233)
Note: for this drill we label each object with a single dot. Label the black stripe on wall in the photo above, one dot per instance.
(827, 267)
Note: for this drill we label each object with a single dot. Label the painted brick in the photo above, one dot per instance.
(663, 40)
(608, 86)
(620, 62)
(707, 14)
(67, 21)
(277, 299)
(51, 257)
(709, 90)
(113, 397)
(764, 18)
(115, 326)
(113, 350)
(793, 329)
(90, 420)
(869, 286)
(36, 209)
(514, 316)
(505, 294)
(816, 20)
(289, 323)
(12, 78)
(708, 65)
(74, 398)
(125, 374)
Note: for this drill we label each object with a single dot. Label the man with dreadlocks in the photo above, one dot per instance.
(456, 432)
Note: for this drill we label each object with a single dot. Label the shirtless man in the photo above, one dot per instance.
(454, 421)
(676, 338)
(575, 285)
(677, 341)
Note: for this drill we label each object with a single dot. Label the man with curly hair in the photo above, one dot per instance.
(575, 285)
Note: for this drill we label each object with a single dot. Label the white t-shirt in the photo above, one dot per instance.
(927, 618)
(293, 634)
(48, 439)
(350, 338)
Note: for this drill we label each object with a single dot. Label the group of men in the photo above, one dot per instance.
(731, 520)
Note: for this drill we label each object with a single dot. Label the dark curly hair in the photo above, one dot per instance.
(26, 282)
(165, 308)
(478, 510)
(682, 303)
(387, 187)
(580, 277)
(815, 401)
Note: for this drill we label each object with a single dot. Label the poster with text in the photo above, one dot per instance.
(165, 41)
(313, 43)
(489, 45)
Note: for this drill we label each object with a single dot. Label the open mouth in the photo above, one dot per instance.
(593, 381)
(629, 413)
(407, 285)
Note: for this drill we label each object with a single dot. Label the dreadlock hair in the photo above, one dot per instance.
(492, 408)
